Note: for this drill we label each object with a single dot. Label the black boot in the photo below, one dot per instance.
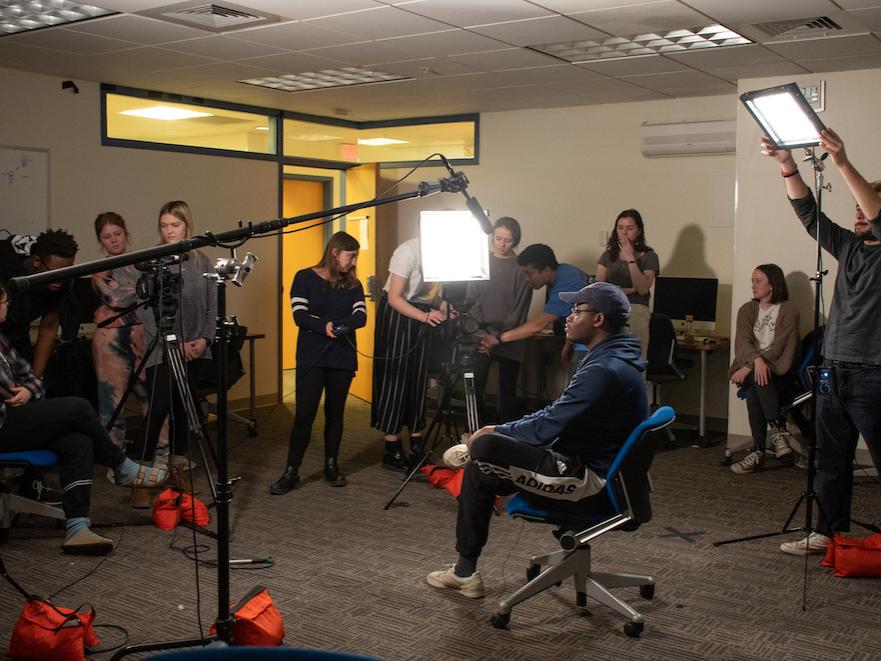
(332, 473)
(394, 458)
(288, 481)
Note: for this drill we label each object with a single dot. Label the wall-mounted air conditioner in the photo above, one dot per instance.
(688, 138)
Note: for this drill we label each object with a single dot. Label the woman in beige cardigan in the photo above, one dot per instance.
(765, 346)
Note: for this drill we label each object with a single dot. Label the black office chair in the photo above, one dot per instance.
(664, 363)
(206, 380)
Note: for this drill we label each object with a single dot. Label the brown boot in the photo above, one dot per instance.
(142, 498)
(180, 477)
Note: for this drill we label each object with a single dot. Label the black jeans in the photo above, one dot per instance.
(69, 427)
(165, 398)
(507, 402)
(763, 404)
(311, 381)
(502, 466)
(848, 405)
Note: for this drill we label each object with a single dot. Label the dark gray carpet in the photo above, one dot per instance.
(350, 576)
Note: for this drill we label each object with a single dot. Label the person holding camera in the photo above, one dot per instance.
(327, 302)
(194, 322)
(849, 393)
(500, 304)
(404, 317)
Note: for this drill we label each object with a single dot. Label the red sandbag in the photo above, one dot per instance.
(166, 509)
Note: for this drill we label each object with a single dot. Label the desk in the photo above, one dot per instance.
(699, 346)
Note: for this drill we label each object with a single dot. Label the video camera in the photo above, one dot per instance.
(158, 286)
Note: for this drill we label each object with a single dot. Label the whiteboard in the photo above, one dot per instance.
(24, 189)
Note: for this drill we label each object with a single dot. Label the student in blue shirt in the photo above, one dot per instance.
(541, 269)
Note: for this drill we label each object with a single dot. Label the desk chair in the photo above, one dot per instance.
(13, 464)
(624, 504)
(206, 381)
(664, 363)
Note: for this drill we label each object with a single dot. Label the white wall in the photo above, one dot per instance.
(86, 179)
(766, 227)
(566, 173)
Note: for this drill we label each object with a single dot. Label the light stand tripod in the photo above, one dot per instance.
(819, 381)
(445, 415)
(455, 183)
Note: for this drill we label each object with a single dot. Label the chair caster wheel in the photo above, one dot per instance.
(500, 620)
(532, 572)
(633, 629)
(647, 591)
(252, 429)
(726, 460)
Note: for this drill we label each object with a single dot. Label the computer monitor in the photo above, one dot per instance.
(678, 297)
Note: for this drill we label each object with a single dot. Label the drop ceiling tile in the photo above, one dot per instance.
(830, 47)
(293, 63)
(444, 44)
(295, 36)
(381, 22)
(220, 47)
(534, 31)
(555, 73)
(846, 63)
(869, 18)
(138, 29)
(762, 70)
(63, 39)
(726, 56)
(464, 13)
(572, 6)
(305, 9)
(149, 58)
(664, 81)
(641, 19)
(368, 52)
(851, 5)
(630, 66)
(509, 58)
(425, 67)
(759, 11)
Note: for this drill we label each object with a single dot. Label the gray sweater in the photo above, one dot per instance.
(853, 331)
(197, 313)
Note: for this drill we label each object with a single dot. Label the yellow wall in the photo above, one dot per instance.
(360, 186)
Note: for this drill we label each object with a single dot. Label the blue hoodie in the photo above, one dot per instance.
(602, 404)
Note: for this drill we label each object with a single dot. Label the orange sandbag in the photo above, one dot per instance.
(166, 509)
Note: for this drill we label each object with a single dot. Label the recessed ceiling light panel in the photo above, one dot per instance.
(671, 41)
(21, 15)
(165, 113)
(326, 78)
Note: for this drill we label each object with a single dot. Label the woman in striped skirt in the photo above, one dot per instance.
(405, 317)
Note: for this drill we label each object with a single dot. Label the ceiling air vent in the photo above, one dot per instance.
(211, 16)
(799, 27)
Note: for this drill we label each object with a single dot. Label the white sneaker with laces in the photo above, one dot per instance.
(809, 545)
(782, 446)
(749, 463)
(471, 587)
(456, 456)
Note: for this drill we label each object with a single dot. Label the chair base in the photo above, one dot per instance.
(550, 569)
(11, 505)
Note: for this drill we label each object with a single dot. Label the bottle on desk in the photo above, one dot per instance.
(688, 330)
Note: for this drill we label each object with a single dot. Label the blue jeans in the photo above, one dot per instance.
(850, 407)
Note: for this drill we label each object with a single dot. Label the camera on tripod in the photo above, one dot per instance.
(158, 285)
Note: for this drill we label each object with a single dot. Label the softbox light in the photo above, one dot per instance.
(785, 116)
(454, 247)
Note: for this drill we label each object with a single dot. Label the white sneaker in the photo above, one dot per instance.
(749, 463)
(782, 447)
(471, 587)
(456, 456)
(811, 544)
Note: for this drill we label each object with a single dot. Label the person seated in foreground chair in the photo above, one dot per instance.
(560, 451)
(69, 427)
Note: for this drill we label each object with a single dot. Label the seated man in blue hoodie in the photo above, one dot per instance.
(561, 451)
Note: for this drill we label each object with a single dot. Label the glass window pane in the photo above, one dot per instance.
(166, 122)
(392, 144)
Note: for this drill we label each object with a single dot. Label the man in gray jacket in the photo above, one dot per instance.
(561, 451)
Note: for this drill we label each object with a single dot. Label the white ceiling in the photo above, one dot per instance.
(463, 55)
